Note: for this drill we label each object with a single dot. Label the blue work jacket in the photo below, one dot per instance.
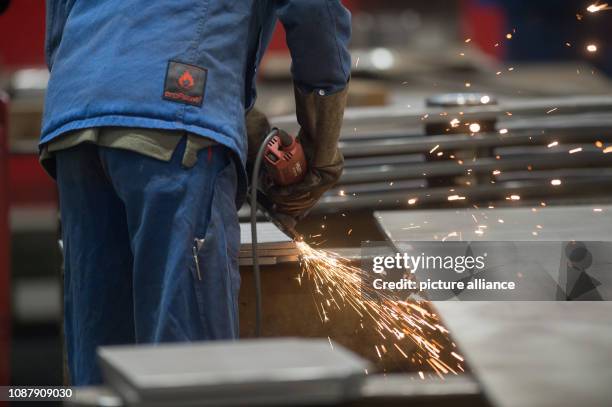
(181, 64)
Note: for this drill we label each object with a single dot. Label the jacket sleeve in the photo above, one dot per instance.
(318, 33)
(56, 15)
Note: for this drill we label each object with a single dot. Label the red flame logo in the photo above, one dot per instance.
(186, 81)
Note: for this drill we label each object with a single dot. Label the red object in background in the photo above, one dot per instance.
(24, 23)
(485, 24)
(5, 317)
(29, 184)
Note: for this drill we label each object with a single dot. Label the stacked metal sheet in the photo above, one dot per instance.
(552, 150)
(274, 246)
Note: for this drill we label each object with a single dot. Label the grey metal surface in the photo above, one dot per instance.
(274, 246)
(548, 160)
(103, 396)
(249, 372)
(410, 390)
(524, 353)
(404, 142)
(398, 116)
(377, 390)
(532, 191)
(533, 138)
(562, 223)
(546, 354)
(267, 234)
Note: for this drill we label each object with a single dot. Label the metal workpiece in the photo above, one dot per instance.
(545, 161)
(229, 373)
(274, 246)
(545, 353)
(558, 223)
(531, 193)
(406, 389)
(460, 100)
(368, 119)
(376, 390)
(540, 150)
(394, 143)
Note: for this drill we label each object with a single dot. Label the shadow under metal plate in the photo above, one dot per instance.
(229, 373)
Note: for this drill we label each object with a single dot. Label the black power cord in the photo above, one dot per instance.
(254, 245)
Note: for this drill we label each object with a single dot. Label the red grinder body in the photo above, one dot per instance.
(285, 160)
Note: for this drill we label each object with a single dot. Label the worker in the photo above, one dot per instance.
(144, 130)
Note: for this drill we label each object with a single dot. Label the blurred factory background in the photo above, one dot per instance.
(534, 56)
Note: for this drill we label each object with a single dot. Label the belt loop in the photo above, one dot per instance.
(209, 153)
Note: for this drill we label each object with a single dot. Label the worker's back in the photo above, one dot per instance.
(119, 63)
(116, 62)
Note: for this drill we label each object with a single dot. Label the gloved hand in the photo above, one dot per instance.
(320, 118)
(257, 127)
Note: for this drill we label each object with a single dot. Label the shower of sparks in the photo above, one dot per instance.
(594, 8)
(405, 324)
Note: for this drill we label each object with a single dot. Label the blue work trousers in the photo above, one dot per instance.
(151, 250)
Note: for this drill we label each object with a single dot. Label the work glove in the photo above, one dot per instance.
(320, 119)
(257, 128)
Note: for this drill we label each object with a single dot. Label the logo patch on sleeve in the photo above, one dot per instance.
(185, 83)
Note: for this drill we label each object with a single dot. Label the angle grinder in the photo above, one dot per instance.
(285, 164)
